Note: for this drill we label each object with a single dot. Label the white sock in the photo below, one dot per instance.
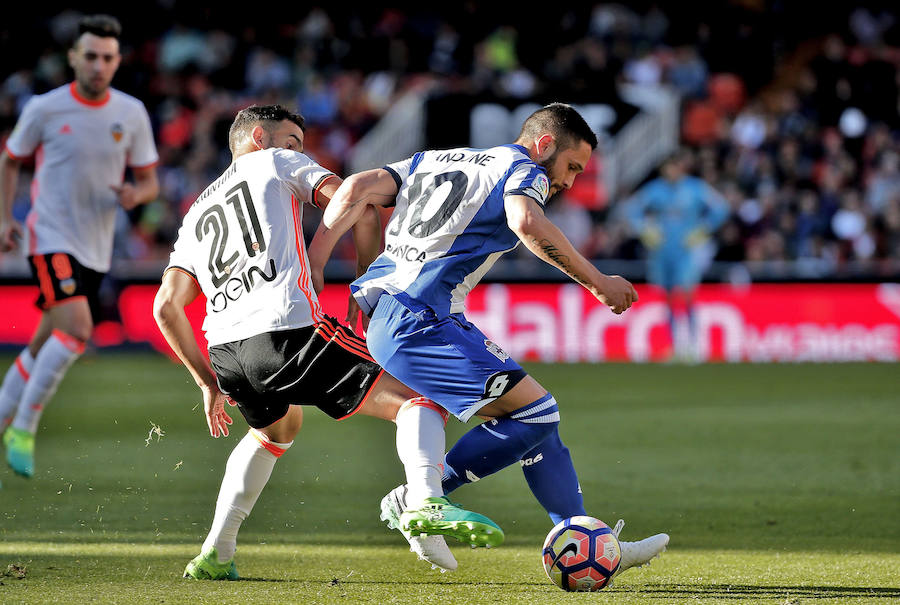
(58, 353)
(246, 474)
(420, 446)
(13, 385)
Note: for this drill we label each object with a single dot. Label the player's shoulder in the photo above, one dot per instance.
(126, 100)
(50, 99)
(288, 158)
(288, 154)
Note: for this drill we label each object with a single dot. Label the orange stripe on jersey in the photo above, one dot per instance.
(21, 367)
(44, 281)
(268, 445)
(186, 272)
(303, 282)
(62, 268)
(319, 185)
(73, 344)
(366, 396)
(12, 155)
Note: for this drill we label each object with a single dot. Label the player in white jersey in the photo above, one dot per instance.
(457, 211)
(83, 135)
(271, 348)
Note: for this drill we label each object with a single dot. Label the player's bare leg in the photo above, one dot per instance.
(59, 340)
(246, 474)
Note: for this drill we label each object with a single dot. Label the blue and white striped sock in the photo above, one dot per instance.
(497, 443)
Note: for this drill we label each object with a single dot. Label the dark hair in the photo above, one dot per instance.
(563, 122)
(103, 26)
(268, 116)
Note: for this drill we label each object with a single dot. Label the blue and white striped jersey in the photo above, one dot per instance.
(449, 225)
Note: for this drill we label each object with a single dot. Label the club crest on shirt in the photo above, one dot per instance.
(67, 286)
(495, 350)
(117, 132)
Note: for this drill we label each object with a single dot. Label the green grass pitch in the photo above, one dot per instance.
(778, 485)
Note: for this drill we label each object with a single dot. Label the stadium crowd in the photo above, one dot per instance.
(796, 124)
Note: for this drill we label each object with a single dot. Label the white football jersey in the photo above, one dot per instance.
(242, 241)
(81, 151)
(449, 226)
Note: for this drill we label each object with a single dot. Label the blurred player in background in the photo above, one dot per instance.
(85, 134)
(674, 216)
(457, 211)
(271, 347)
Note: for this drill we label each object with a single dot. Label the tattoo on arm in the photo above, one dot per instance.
(558, 259)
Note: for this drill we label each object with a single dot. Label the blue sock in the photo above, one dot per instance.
(551, 476)
(498, 443)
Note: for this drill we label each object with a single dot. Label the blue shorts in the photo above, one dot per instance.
(448, 360)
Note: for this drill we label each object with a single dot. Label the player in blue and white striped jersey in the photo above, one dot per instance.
(457, 211)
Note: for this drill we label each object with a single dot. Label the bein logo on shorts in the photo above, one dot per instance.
(495, 350)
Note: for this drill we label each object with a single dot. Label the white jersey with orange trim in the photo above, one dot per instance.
(82, 148)
(242, 241)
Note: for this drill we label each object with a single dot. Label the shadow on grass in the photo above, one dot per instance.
(741, 591)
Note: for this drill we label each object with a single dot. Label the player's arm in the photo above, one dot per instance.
(366, 240)
(179, 289)
(144, 189)
(526, 218)
(353, 203)
(376, 187)
(10, 230)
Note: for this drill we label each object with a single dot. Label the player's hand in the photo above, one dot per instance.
(696, 237)
(127, 195)
(651, 237)
(214, 405)
(617, 293)
(355, 314)
(10, 234)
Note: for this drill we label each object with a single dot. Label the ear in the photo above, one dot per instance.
(258, 136)
(72, 55)
(545, 147)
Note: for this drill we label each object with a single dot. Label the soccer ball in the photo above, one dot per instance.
(581, 554)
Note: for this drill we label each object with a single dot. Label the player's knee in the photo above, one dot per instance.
(541, 414)
(420, 404)
(79, 329)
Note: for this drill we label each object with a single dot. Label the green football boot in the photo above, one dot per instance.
(19, 451)
(206, 566)
(440, 516)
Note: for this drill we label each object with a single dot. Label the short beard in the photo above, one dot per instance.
(92, 92)
(547, 165)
